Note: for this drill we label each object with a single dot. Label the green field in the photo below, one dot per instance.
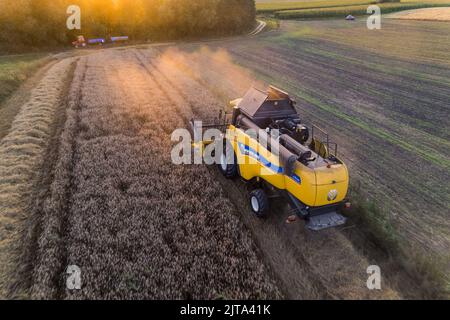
(353, 10)
(267, 7)
(15, 69)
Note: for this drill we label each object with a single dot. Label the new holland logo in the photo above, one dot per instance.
(332, 195)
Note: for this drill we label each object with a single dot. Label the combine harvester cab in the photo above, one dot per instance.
(278, 156)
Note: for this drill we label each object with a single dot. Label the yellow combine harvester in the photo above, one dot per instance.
(269, 147)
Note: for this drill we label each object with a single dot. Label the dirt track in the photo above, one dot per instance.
(140, 227)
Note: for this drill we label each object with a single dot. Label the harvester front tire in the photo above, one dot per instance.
(259, 203)
(228, 164)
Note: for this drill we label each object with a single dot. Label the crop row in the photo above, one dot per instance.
(22, 154)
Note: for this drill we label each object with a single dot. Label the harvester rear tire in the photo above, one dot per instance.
(259, 203)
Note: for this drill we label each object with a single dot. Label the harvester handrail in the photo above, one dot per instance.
(327, 141)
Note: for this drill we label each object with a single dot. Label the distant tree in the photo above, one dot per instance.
(236, 15)
(17, 22)
(43, 22)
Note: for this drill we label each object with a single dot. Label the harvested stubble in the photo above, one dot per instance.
(136, 225)
(22, 153)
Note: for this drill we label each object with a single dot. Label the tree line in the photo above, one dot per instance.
(38, 23)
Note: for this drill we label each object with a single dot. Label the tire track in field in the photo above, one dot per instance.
(47, 276)
(185, 109)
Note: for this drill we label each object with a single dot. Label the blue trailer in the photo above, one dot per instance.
(100, 41)
(119, 39)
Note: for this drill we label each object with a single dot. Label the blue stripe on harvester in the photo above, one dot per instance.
(246, 150)
(296, 178)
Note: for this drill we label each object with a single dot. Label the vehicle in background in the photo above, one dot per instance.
(80, 42)
(119, 39)
(98, 41)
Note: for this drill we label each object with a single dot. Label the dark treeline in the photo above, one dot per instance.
(37, 23)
